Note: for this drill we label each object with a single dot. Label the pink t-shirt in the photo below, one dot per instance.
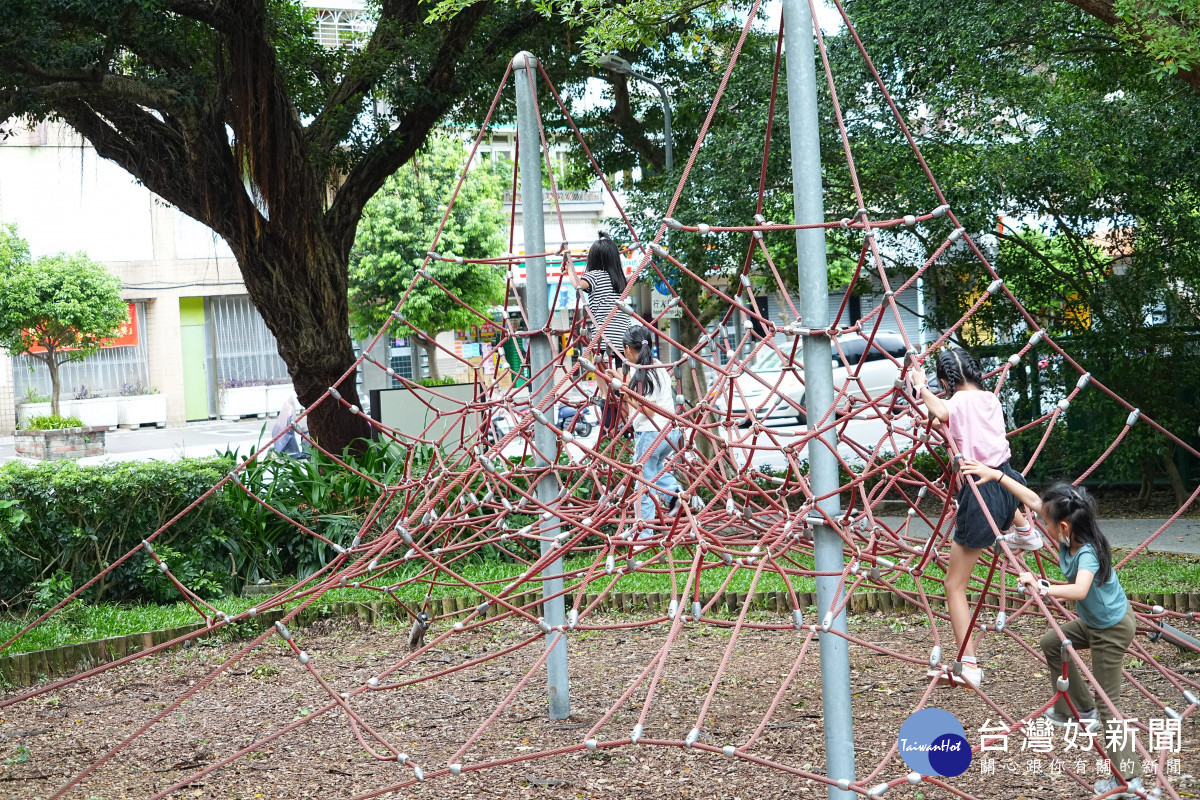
(977, 426)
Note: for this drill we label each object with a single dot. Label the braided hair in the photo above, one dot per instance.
(641, 339)
(955, 367)
(1064, 502)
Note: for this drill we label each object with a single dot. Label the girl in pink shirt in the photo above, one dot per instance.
(974, 420)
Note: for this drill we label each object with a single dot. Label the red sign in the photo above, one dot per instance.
(127, 335)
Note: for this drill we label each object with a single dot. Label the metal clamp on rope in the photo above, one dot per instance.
(703, 228)
(335, 393)
(995, 285)
(1133, 417)
(1064, 404)
(626, 307)
(940, 211)
(658, 250)
(910, 220)
(1014, 359)
(1083, 380)
(1062, 684)
(283, 631)
(1037, 337)
(691, 738)
(673, 224)
(149, 548)
(423, 273)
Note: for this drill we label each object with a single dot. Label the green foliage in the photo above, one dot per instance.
(319, 494)
(1168, 31)
(52, 422)
(59, 301)
(69, 522)
(66, 305)
(398, 228)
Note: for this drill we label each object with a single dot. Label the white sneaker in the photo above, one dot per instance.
(970, 678)
(971, 675)
(1029, 540)
(1087, 719)
(1106, 785)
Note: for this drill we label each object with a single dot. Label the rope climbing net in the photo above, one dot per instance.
(467, 486)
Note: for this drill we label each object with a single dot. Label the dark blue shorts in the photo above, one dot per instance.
(971, 528)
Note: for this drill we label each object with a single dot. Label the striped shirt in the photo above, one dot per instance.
(601, 301)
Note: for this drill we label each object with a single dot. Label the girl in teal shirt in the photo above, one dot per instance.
(1105, 622)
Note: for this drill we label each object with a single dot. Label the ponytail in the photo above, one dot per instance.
(1063, 502)
(641, 339)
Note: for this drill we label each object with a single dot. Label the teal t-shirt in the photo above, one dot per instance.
(1105, 604)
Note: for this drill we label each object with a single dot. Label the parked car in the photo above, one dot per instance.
(775, 393)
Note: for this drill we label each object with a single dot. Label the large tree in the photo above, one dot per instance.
(232, 111)
(397, 229)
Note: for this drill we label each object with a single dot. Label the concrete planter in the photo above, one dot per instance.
(133, 411)
(244, 401)
(61, 443)
(277, 395)
(96, 412)
(27, 411)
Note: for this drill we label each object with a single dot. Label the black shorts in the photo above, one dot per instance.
(971, 528)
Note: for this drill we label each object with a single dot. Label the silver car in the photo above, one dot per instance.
(774, 392)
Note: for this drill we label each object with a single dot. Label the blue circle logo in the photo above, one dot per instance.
(932, 742)
(661, 286)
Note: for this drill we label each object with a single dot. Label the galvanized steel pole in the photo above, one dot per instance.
(818, 382)
(540, 356)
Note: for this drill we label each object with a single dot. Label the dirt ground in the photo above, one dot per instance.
(46, 740)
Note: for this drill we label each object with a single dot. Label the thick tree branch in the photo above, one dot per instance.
(336, 118)
(440, 84)
(1103, 11)
(632, 130)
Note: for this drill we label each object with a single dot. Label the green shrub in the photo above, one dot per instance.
(67, 522)
(52, 422)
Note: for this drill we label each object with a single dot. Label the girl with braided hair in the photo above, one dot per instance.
(1105, 623)
(974, 422)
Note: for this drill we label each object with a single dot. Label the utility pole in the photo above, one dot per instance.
(818, 384)
(537, 304)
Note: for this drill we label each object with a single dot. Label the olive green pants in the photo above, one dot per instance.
(1108, 648)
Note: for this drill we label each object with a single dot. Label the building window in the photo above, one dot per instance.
(336, 28)
(403, 366)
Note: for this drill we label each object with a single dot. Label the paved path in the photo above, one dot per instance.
(193, 440)
(1182, 537)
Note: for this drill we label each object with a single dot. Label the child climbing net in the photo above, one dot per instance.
(730, 515)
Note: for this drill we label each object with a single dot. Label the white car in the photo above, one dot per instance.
(775, 393)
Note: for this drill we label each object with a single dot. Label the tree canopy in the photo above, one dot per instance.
(397, 229)
(56, 308)
(233, 112)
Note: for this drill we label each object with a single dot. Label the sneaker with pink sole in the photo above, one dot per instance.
(1027, 540)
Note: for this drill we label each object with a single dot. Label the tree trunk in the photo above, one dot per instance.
(300, 290)
(52, 364)
(1176, 479)
(431, 353)
(1147, 488)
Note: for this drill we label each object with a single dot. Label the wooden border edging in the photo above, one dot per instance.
(27, 669)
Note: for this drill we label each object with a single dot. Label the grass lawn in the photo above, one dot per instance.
(82, 622)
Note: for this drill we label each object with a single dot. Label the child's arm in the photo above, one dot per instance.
(574, 278)
(935, 404)
(1063, 591)
(984, 473)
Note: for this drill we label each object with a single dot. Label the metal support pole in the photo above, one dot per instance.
(818, 380)
(540, 355)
